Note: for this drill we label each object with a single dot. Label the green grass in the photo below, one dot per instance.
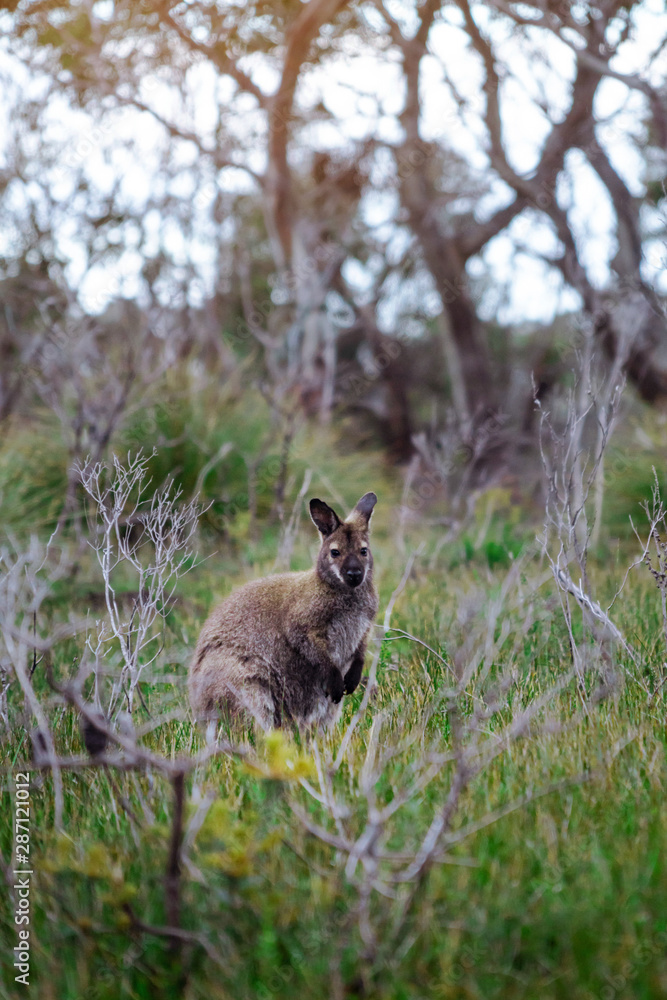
(563, 898)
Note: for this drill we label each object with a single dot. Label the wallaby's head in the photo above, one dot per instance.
(345, 557)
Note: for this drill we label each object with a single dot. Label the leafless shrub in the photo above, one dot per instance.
(92, 372)
(657, 535)
(128, 754)
(573, 463)
(485, 711)
(654, 557)
(149, 536)
(128, 528)
(432, 474)
(26, 579)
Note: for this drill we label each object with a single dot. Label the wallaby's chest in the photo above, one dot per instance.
(344, 635)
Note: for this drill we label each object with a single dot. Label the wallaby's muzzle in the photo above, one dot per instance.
(353, 572)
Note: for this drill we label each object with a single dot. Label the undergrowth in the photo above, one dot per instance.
(559, 897)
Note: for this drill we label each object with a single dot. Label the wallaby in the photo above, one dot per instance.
(287, 647)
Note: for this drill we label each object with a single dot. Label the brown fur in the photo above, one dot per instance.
(287, 647)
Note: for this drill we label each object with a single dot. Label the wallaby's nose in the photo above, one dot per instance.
(354, 576)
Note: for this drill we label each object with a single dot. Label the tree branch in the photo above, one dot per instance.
(219, 58)
(178, 132)
(594, 61)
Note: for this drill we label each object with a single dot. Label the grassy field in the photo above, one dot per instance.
(553, 882)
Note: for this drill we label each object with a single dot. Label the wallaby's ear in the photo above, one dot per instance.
(364, 508)
(324, 518)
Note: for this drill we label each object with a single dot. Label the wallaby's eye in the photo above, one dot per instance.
(335, 553)
(363, 550)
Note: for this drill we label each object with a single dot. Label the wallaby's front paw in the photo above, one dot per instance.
(353, 676)
(336, 685)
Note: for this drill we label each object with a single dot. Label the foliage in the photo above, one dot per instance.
(562, 896)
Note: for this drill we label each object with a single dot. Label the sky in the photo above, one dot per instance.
(364, 93)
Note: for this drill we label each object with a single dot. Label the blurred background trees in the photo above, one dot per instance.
(375, 210)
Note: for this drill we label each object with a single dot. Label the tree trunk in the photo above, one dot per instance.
(391, 369)
(447, 268)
